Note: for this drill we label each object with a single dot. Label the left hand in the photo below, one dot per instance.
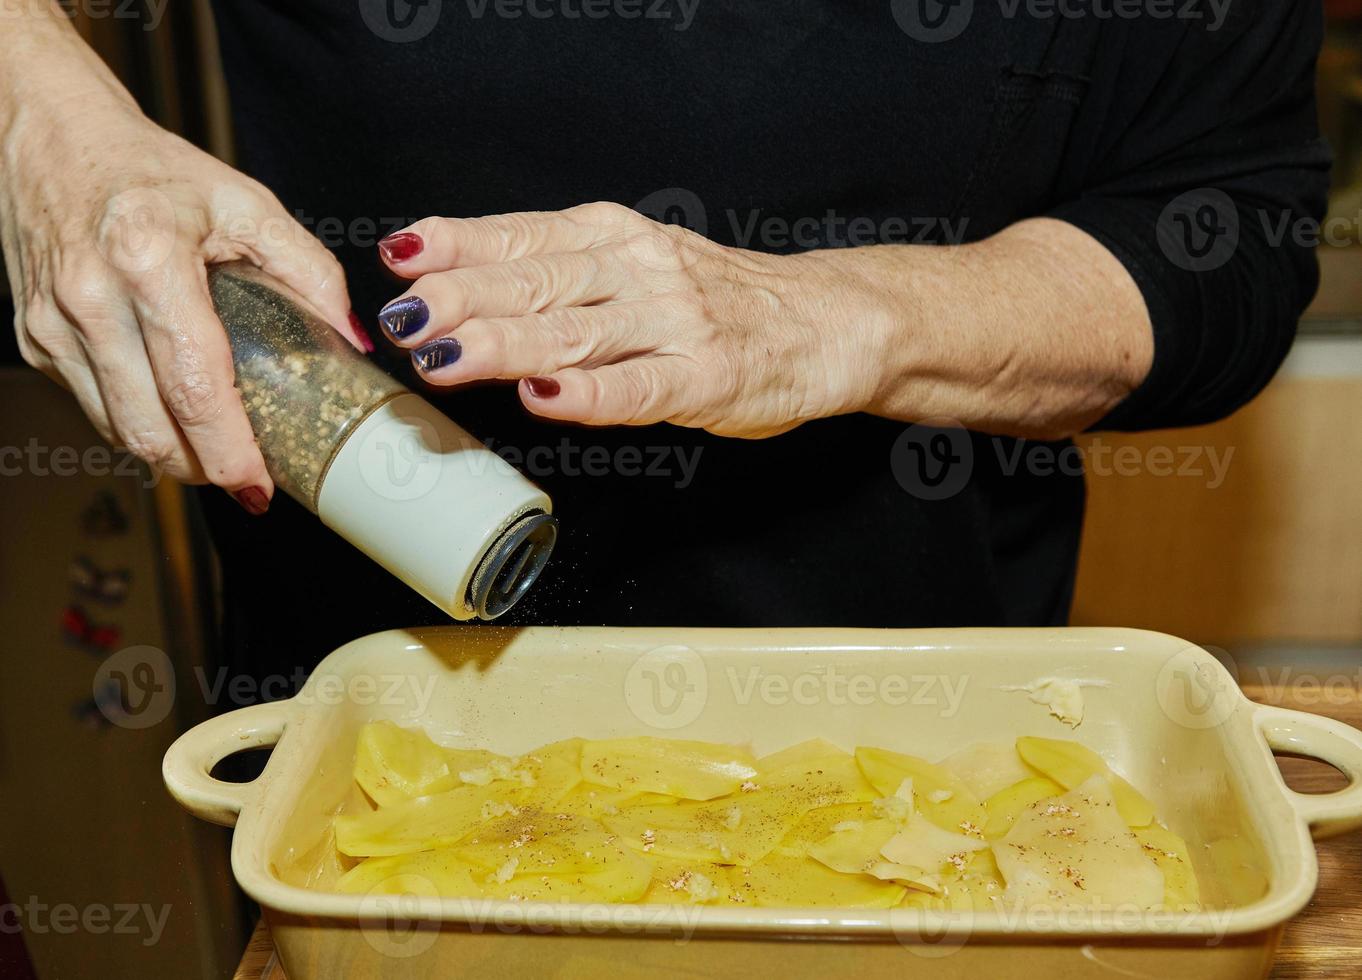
(609, 318)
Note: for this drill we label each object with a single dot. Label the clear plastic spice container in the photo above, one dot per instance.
(377, 463)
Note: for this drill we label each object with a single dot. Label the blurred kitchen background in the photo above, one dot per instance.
(1263, 559)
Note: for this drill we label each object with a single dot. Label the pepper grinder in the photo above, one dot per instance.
(377, 463)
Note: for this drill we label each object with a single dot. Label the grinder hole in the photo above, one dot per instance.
(512, 564)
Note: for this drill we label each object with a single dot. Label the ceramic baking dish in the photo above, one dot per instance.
(1164, 712)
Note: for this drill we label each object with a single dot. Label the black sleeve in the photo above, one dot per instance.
(1208, 183)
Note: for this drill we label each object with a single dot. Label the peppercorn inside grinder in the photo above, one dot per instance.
(378, 464)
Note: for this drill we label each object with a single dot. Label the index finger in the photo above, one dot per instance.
(441, 244)
(191, 359)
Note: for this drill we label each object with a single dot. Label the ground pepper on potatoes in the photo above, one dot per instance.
(656, 820)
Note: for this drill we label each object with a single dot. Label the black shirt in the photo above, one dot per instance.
(781, 125)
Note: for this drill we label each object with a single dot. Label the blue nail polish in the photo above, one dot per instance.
(403, 317)
(437, 354)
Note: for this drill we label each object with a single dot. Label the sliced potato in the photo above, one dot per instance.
(814, 783)
(1006, 805)
(988, 767)
(541, 843)
(420, 824)
(856, 849)
(1181, 893)
(739, 830)
(590, 800)
(626, 878)
(798, 754)
(691, 770)
(930, 852)
(393, 764)
(671, 821)
(1071, 764)
(820, 822)
(939, 796)
(412, 874)
(568, 750)
(687, 883)
(978, 889)
(983, 866)
(428, 822)
(781, 881)
(1075, 850)
(445, 872)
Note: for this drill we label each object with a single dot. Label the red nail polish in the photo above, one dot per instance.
(253, 500)
(363, 335)
(401, 247)
(543, 387)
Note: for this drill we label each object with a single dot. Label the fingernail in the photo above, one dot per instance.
(253, 500)
(363, 335)
(543, 387)
(437, 354)
(401, 247)
(403, 317)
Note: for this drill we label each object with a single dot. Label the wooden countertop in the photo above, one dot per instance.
(1323, 942)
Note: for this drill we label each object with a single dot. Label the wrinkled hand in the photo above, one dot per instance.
(612, 318)
(108, 223)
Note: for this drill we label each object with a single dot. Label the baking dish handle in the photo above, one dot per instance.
(188, 765)
(1316, 737)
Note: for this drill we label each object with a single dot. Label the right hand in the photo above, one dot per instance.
(108, 223)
